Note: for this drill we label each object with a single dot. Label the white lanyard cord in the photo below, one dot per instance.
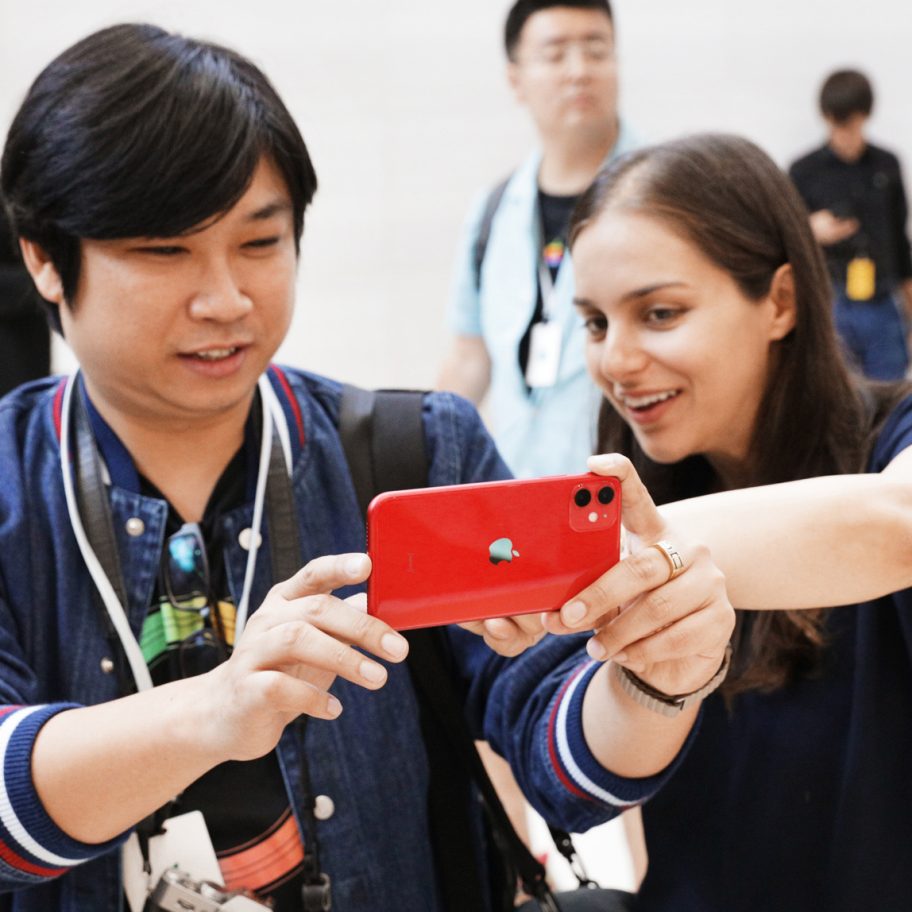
(272, 410)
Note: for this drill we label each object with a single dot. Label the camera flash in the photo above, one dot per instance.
(593, 516)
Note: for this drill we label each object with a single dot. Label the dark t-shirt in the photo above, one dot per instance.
(799, 799)
(245, 805)
(554, 213)
(870, 190)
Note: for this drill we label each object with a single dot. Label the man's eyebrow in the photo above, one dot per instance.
(269, 210)
(565, 39)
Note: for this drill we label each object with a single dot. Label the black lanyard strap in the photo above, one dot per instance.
(92, 497)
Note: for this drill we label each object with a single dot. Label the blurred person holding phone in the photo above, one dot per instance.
(858, 210)
(706, 305)
(175, 690)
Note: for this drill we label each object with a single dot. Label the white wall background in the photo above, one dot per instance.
(405, 109)
(404, 106)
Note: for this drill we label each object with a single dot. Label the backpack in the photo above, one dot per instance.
(484, 228)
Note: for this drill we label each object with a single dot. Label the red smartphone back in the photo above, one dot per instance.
(468, 552)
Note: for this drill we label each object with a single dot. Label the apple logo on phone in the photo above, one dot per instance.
(501, 550)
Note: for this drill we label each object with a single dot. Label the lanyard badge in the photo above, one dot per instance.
(546, 338)
(860, 279)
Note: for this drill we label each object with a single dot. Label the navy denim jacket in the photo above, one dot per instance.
(370, 761)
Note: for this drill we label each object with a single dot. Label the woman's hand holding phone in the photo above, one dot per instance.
(670, 627)
(669, 631)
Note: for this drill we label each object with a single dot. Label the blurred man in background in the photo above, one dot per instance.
(517, 339)
(516, 336)
(854, 192)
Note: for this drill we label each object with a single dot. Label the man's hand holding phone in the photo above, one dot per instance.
(294, 646)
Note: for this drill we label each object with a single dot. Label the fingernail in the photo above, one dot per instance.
(333, 706)
(573, 613)
(596, 650)
(372, 672)
(354, 566)
(393, 645)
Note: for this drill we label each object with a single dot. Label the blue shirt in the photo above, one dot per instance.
(371, 761)
(550, 430)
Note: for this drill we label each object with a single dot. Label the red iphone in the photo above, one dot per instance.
(468, 552)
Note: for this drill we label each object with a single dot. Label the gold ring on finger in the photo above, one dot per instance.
(672, 556)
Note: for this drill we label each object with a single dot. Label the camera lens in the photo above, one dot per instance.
(582, 497)
(606, 495)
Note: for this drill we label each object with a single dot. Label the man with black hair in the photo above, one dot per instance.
(152, 717)
(517, 339)
(854, 192)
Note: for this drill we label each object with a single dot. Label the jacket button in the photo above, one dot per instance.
(323, 807)
(135, 526)
(107, 665)
(245, 539)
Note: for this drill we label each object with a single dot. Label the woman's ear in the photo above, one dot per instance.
(782, 299)
(43, 272)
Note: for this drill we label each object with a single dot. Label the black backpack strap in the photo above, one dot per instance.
(427, 656)
(382, 434)
(285, 547)
(385, 453)
(383, 438)
(484, 228)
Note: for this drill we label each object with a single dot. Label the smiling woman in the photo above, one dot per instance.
(657, 346)
(707, 312)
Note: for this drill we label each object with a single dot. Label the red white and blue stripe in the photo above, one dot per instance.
(574, 764)
(31, 844)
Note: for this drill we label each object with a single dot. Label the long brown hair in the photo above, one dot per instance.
(728, 198)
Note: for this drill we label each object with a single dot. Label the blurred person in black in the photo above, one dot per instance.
(854, 192)
(25, 341)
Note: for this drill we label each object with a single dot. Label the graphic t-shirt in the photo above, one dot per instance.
(245, 805)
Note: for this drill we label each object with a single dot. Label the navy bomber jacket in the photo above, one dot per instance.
(376, 846)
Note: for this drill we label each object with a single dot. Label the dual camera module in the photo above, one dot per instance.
(594, 506)
(583, 496)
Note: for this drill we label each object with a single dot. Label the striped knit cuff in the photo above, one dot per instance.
(574, 765)
(31, 844)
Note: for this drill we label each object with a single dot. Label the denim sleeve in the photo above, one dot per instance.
(464, 314)
(33, 848)
(460, 450)
(529, 709)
